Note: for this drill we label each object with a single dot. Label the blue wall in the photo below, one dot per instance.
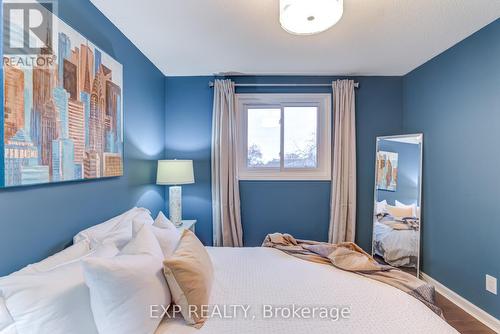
(188, 136)
(299, 207)
(408, 173)
(37, 221)
(455, 101)
(2, 130)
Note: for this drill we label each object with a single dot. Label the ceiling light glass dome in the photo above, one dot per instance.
(307, 17)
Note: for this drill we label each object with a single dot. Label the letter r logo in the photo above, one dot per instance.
(27, 27)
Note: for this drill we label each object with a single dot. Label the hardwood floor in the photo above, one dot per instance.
(459, 319)
(454, 315)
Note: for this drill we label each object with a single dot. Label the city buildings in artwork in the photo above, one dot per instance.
(64, 122)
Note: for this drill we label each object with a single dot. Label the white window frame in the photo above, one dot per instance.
(324, 137)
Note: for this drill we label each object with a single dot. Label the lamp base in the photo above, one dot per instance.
(175, 204)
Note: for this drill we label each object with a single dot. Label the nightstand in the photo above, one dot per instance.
(187, 225)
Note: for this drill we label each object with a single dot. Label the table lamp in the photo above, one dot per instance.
(175, 173)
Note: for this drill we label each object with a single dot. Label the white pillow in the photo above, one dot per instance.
(9, 330)
(117, 230)
(122, 233)
(412, 206)
(72, 253)
(381, 206)
(123, 288)
(102, 229)
(144, 217)
(162, 221)
(6, 321)
(167, 234)
(52, 302)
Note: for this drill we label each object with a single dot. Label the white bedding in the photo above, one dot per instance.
(257, 276)
(397, 247)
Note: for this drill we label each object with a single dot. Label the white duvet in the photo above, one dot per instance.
(397, 247)
(259, 276)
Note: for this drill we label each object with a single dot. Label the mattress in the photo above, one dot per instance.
(264, 277)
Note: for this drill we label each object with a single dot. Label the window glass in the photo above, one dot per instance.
(300, 137)
(263, 140)
(283, 136)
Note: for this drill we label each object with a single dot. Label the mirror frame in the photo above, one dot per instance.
(419, 201)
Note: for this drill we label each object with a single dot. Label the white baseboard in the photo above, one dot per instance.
(478, 313)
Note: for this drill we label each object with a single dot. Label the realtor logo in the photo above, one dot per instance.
(27, 27)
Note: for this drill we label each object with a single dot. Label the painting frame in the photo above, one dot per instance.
(387, 171)
(81, 119)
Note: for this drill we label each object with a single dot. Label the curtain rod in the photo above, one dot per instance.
(211, 84)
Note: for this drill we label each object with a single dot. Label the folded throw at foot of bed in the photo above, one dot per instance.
(350, 257)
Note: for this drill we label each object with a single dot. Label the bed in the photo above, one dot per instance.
(398, 248)
(258, 276)
(62, 294)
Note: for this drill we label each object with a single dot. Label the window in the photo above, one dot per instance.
(284, 136)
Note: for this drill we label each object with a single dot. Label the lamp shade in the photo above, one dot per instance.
(307, 17)
(172, 172)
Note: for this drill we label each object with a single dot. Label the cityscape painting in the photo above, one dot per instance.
(65, 121)
(387, 171)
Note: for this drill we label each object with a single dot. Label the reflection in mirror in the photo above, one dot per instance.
(397, 205)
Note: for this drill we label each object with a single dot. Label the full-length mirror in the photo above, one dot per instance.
(397, 206)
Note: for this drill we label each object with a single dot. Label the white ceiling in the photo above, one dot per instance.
(406, 139)
(374, 37)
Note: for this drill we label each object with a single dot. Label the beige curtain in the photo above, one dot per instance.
(343, 195)
(227, 230)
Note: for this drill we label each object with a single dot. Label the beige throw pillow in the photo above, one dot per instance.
(189, 274)
(399, 211)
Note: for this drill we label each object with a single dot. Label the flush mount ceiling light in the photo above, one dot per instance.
(307, 17)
